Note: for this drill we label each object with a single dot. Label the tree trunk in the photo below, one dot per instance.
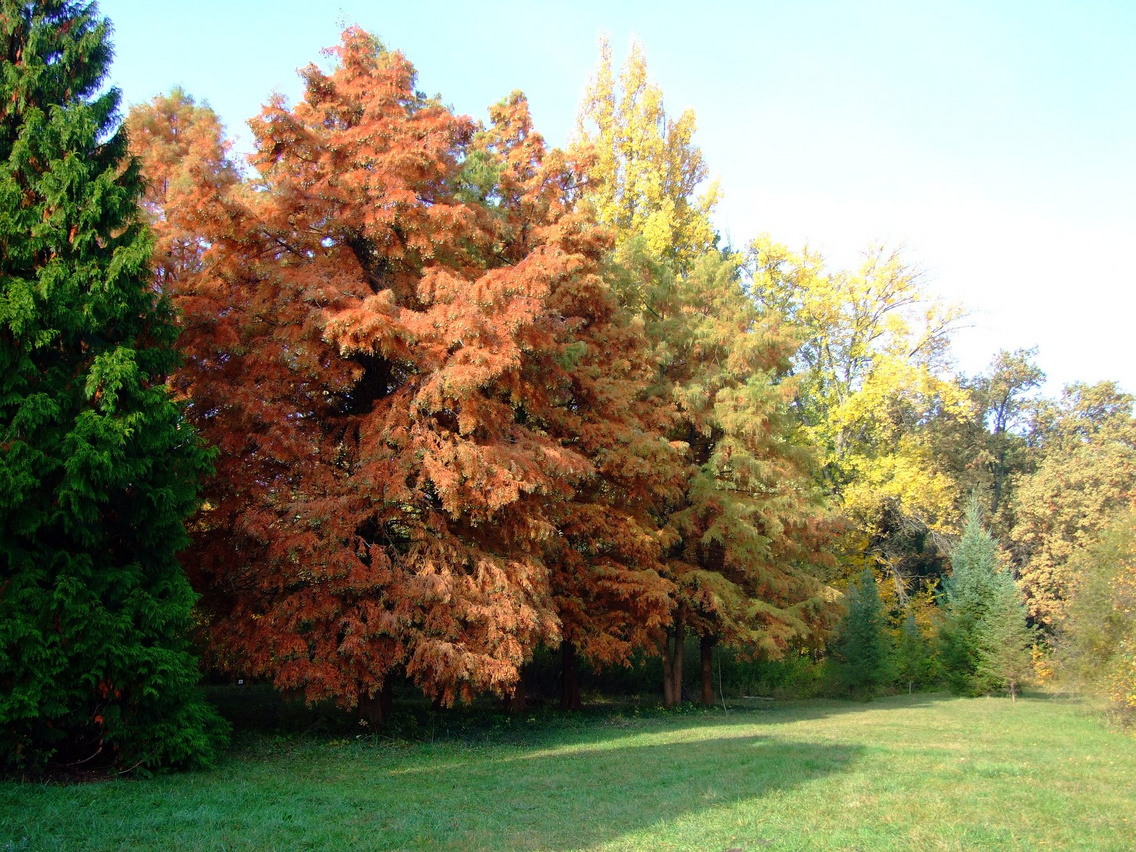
(999, 476)
(516, 700)
(569, 680)
(668, 674)
(375, 709)
(680, 647)
(706, 645)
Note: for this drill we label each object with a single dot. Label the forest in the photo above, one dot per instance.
(411, 398)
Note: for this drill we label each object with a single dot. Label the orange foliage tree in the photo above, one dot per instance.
(436, 451)
(605, 560)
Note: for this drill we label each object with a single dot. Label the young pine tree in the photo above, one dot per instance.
(862, 652)
(98, 468)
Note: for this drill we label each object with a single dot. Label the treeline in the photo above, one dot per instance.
(428, 395)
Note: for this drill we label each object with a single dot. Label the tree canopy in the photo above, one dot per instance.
(471, 396)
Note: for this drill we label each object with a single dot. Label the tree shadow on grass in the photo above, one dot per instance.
(578, 795)
(584, 782)
(261, 709)
(812, 709)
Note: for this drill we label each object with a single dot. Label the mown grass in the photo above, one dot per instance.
(902, 773)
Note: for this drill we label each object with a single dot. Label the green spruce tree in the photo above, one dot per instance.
(967, 594)
(1005, 640)
(862, 651)
(914, 662)
(98, 467)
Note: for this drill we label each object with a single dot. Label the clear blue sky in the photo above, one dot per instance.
(995, 140)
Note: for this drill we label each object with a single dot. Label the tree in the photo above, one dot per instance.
(975, 581)
(999, 439)
(1004, 640)
(861, 647)
(181, 149)
(873, 391)
(605, 563)
(1096, 645)
(746, 532)
(743, 527)
(647, 167)
(914, 661)
(425, 394)
(99, 467)
(1085, 476)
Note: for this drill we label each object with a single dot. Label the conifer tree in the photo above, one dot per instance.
(1004, 640)
(913, 658)
(742, 528)
(434, 457)
(647, 167)
(862, 648)
(967, 594)
(605, 563)
(98, 466)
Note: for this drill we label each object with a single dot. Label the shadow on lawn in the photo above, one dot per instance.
(783, 712)
(472, 778)
(260, 709)
(574, 796)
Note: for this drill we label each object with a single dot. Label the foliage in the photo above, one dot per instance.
(98, 467)
(861, 646)
(1097, 642)
(646, 167)
(1085, 476)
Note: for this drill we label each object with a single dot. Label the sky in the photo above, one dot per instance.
(994, 141)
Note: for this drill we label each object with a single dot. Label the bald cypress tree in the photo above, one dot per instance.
(98, 468)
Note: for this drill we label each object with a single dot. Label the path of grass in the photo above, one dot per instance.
(904, 773)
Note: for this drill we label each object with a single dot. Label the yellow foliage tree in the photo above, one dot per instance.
(873, 382)
(646, 167)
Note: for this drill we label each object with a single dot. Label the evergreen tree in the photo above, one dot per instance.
(98, 468)
(973, 584)
(1004, 640)
(863, 658)
(914, 662)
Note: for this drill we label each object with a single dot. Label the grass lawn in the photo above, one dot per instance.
(902, 773)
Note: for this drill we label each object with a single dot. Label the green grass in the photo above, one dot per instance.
(902, 773)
